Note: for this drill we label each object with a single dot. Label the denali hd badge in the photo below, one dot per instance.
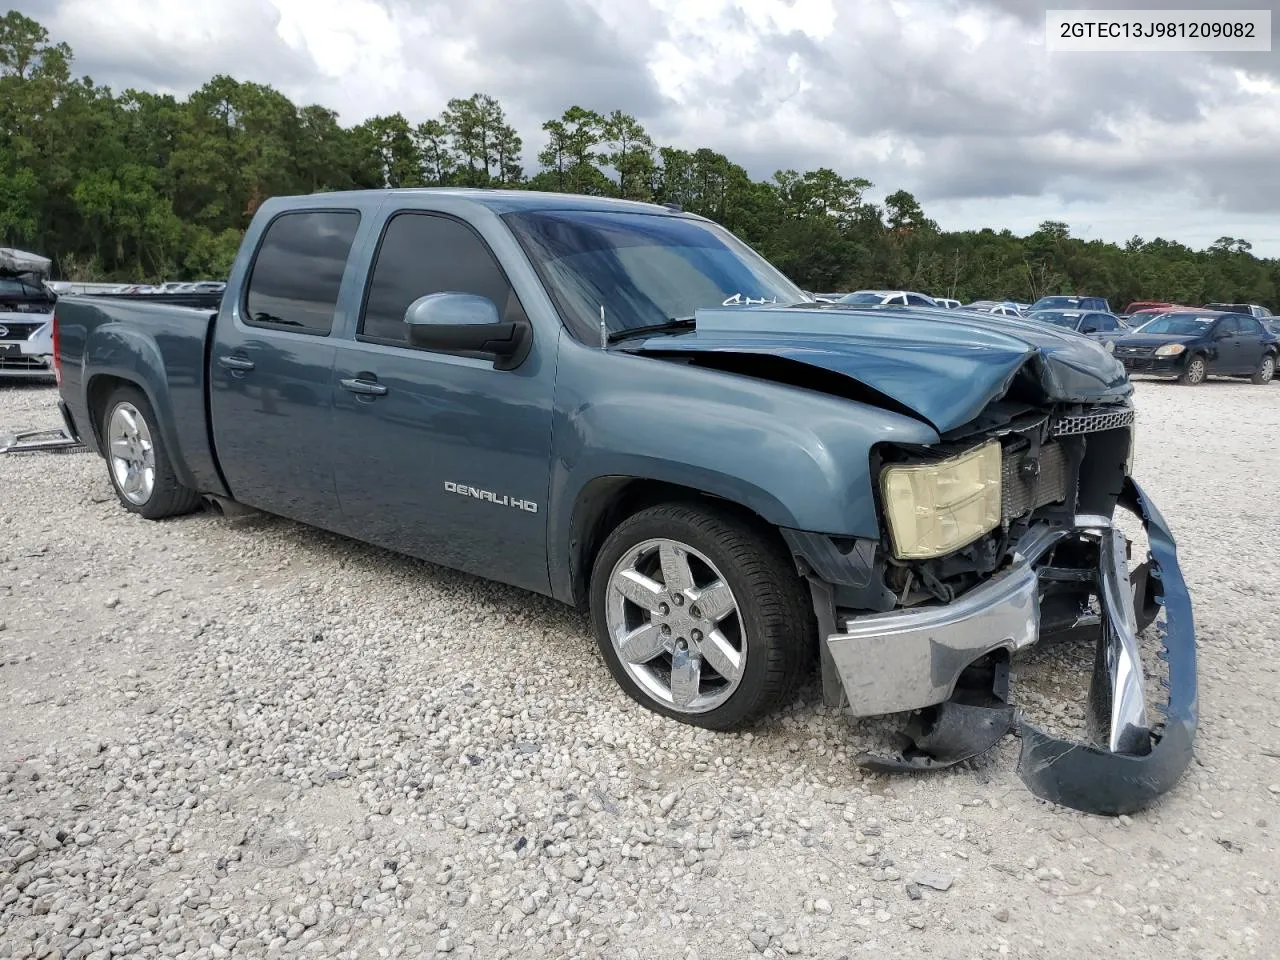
(501, 500)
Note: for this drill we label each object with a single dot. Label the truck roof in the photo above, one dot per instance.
(497, 200)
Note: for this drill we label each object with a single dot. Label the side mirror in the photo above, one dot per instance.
(466, 322)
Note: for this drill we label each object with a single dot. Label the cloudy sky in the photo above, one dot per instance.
(955, 100)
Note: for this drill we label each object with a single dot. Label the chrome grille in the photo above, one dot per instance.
(1075, 424)
(1020, 492)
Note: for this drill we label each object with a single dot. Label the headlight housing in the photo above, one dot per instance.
(935, 508)
(1171, 349)
(1110, 346)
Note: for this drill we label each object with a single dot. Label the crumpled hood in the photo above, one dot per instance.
(944, 365)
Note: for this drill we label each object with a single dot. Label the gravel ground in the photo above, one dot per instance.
(259, 739)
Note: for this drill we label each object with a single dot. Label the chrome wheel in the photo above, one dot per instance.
(1196, 371)
(675, 626)
(131, 453)
(1267, 370)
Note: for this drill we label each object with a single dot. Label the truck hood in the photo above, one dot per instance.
(943, 365)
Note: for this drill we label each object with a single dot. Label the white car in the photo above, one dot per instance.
(888, 298)
(26, 316)
(948, 303)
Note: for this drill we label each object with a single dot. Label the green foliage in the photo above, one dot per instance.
(143, 186)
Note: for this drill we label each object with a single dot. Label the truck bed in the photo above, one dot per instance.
(162, 347)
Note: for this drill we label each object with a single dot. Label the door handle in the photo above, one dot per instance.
(235, 363)
(368, 388)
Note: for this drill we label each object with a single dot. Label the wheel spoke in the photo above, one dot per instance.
(130, 422)
(121, 447)
(720, 655)
(686, 676)
(639, 589)
(715, 602)
(642, 644)
(675, 567)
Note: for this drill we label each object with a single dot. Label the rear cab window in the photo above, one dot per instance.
(297, 272)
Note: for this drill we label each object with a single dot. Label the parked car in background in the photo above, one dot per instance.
(827, 297)
(1192, 345)
(947, 302)
(1006, 309)
(1252, 309)
(1071, 303)
(888, 298)
(1148, 305)
(26, 312)
(1103, 327)
(484, 379)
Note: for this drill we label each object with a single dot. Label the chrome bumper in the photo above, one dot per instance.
(913, 659)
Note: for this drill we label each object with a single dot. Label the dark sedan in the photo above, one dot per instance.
(1191, 345)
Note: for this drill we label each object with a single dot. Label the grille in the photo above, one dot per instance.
(1070, 426)
(18, 329)
(1021, 493)
(17, 362)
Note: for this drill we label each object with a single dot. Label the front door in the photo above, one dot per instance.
(440, 455)
(271, 369)
(1232, 351)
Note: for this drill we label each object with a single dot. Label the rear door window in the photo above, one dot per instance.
(297, 273)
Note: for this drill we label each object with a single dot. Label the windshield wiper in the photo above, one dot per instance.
(682, 323)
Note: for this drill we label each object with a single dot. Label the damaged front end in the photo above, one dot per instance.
(908, 631)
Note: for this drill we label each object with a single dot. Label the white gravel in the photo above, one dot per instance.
(260, 740)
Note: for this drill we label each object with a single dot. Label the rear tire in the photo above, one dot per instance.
(1266, 370)
(700, 616)
(138, 463)
(1195, 373)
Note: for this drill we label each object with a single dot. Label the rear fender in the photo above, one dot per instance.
(117, 351)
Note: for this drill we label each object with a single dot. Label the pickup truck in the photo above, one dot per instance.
(624, 407)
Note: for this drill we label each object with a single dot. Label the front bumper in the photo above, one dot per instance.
(1160, 366)
(912, 659)
(30, 357)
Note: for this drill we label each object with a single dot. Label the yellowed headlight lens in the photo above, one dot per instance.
(1171, 349)
(935, 508)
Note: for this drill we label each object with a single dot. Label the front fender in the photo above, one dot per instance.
(798, 458)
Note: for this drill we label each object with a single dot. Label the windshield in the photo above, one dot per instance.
(863, 296)
(1057, 318)
(26, 294)
(644, 269)
(1055, 303)
(1179, 324)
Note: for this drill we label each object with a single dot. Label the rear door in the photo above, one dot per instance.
(271, 401)
(450, 460)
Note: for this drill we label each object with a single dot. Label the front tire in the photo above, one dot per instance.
(1266, 370)
(137, 462)
(700, 616)
(1195, 373)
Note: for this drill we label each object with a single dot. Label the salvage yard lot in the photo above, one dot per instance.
(262, 739)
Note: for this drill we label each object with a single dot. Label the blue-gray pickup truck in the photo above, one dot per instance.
(624, 407)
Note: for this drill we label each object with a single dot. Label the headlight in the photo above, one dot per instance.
(1110, 346)
(1170, 349)
(935, 508)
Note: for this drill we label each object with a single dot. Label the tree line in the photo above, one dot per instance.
(140, 186)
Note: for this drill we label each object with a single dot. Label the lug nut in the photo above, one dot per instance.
(696, 636)
(695, 612)
(679, 600)
(663, 609)
(666, 631)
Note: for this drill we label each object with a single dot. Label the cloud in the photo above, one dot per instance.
(955, 100)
